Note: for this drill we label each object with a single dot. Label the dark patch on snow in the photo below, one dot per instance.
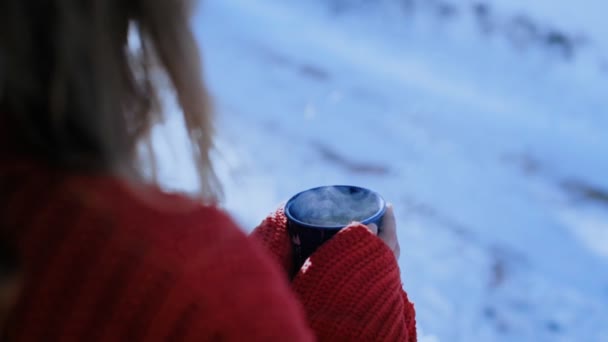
(553, 326)
(445, 10)
(586, 192)
(351, 165)
(272, 56)
(498, 321)
(576, 189)
(408, 6)
(502, 263)
(482, 16)
(498, 272)
(604, 65)
(307, 70)
(314, 72)
(489, 312)
(522, 31)
(560, 42)
(526, 163)
(520, 305)
(426, 210)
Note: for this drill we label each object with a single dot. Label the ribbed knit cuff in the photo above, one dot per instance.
(272, 234)
(351, 289)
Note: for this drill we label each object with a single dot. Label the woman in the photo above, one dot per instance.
(105, 256)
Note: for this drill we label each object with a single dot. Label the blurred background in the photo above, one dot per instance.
(484, 122)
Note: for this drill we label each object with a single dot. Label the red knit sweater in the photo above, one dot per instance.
(105, 262)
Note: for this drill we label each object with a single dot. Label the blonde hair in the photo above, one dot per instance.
(78, 94)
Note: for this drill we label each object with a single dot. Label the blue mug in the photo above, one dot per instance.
(316, 215)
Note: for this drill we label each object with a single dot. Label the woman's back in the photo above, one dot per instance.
(106, 262)
(105, 258)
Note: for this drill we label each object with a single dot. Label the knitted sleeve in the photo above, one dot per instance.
(350, 287)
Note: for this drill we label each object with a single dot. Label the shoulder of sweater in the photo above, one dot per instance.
(173, 225)
(168, 227)
(144, 201)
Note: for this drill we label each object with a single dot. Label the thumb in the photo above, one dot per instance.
(388, 234)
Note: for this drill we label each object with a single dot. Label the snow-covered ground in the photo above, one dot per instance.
(488, 138)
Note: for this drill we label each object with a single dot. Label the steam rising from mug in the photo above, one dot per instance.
(335, 206)
(314, 216)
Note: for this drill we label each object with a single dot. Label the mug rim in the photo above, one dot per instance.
(368, 220)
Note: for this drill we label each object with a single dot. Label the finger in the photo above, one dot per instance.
(397, 251)
(389, 225)
(388, 234)
(373, 228)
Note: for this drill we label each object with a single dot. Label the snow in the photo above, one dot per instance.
(590, 226)
(491, 152)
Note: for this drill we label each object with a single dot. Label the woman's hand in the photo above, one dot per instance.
(272, 233)
(388, 232)
(361, 262)
(367, 273)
